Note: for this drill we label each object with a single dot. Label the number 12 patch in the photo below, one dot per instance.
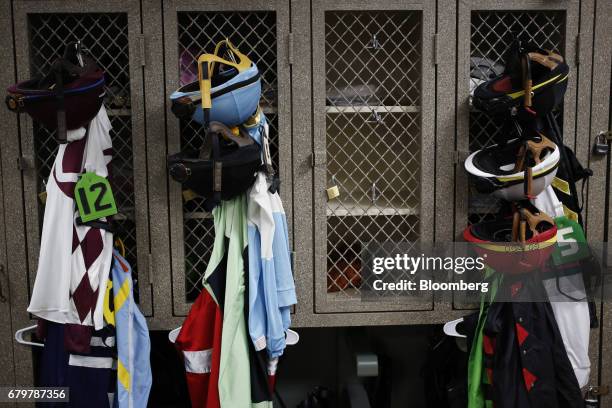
(94, 197)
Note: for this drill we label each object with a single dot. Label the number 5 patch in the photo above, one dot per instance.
(94, 197)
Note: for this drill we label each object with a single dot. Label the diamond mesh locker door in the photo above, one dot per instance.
(107, 34)
(257, 33)
(369, 103)
(46, 32)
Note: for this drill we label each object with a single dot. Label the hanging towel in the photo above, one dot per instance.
(478, 381)
(74, 260)
(133, 344)
(523, 347)
(271, 286)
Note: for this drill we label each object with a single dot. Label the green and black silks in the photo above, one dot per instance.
(517, 357)
(479, 393)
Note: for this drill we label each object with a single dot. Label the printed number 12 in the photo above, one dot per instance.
(98, 206)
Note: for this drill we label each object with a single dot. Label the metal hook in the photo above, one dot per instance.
(374, 43)
(375, 118)
(374, 196)
(79, 50)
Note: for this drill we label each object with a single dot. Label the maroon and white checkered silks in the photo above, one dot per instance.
(74, 260)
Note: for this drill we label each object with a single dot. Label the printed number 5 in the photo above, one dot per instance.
(563, 240)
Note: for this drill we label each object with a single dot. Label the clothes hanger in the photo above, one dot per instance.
(450, 328)
(120, 246)
(173, 334)
(291, 336)
(19, 337)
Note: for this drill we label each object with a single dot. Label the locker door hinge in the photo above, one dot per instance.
(23, 163)
(3, 297)
(578, 49)
(459, 156)
(150, 268)
(142, 59)
(317, 158)
(290, 48)
(436, 57)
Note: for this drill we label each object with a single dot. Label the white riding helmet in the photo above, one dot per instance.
(502, 170)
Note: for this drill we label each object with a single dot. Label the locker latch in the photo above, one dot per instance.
(436, 49)
(150, 268)
(599, 390)
(600, 147)
(23, 163)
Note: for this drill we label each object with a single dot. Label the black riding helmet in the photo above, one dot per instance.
(540, 74)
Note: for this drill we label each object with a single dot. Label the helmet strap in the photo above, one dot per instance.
(61, 104)
(210, 203)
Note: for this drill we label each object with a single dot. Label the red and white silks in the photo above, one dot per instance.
(199, 341)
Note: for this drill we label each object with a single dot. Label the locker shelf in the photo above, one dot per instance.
(197, 215)
(119, 112)
(339, 209)
(370, 109)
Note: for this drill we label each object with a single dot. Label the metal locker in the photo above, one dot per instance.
(373, 101)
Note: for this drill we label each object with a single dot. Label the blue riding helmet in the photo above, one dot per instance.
(228, 90)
